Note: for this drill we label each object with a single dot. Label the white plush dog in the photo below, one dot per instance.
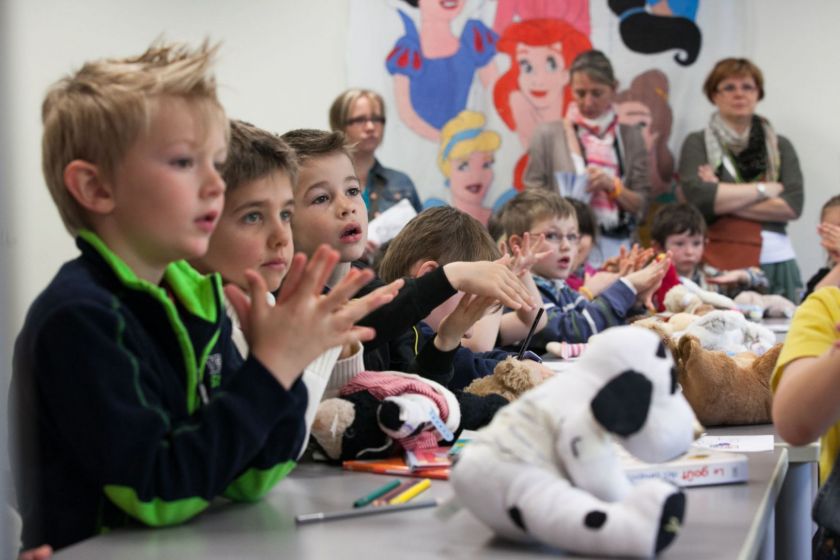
(546, 469)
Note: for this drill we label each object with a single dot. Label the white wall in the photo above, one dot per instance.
(282, 63)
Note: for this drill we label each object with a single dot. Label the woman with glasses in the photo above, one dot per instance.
(360, 115)
(591, 156)
(745, 179)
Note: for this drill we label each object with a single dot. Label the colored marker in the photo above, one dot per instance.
(383, 500)
(378, 493)
(333, 515)
(416, 489)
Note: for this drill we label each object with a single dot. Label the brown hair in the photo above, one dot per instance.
(830, 203)
(530, 206)
(312, 143)
(97, 113)
(596, 65)
(442, 234)
(254, 153)
(676, 218)
(343, 104)
(728, 68)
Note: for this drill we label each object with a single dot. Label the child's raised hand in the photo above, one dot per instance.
(647, 280)
(470, 309)
(829, 236)
(491, 279)
(528, 253)
(304, 322)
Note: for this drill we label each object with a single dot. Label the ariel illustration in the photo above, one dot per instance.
(655, 26)
(535, 88)
(466, 158)
(433, 68)
(574, 12)
(645, 103)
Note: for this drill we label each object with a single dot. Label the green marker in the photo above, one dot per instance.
(365, 500)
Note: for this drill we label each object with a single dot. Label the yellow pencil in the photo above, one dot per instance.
(413, 491)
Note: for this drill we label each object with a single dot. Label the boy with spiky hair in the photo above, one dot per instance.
(129, 400)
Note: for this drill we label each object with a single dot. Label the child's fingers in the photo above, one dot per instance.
(347, 287)
(318, 270)
(356, 309)
(358, 334)
(291, 282)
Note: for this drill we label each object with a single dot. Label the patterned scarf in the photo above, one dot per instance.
(598, 139)
(754, 153)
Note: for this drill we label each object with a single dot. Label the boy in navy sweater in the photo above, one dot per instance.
(129, 400)
(571, 316)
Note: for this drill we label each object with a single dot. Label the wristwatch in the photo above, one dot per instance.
(761, 189)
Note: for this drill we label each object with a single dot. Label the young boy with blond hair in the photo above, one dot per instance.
(571, 316)
(129, 400)
(329, 209)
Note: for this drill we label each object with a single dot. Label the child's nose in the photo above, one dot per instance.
(214, 184)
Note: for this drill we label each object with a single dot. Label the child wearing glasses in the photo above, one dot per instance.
(572, 317)
(360, 115)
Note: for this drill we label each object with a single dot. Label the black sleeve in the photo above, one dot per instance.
(412, 304)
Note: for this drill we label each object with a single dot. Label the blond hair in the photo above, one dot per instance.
(520, 213)
(97, 113)
(462, 136)
(343, 104)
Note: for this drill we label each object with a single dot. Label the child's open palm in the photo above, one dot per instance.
(304, 322)
(455, 325)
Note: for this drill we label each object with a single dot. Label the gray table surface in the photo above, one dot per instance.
(721, 522)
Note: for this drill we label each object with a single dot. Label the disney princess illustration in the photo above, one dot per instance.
(433, 68)
(465, 157)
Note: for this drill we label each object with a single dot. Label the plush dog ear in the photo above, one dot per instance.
(621, 406)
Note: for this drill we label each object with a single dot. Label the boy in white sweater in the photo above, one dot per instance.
(254, 233)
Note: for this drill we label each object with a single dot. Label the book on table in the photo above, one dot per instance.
(424, 463)
(698, 467)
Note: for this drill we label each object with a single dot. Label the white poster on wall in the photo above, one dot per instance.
(466, 82)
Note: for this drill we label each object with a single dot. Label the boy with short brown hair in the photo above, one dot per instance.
(329, 209)
(571, 316)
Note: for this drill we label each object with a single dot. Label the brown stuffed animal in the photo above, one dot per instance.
(510, 379)
(723, 389)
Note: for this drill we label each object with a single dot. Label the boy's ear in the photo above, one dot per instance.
(514, 241)
(87, 185)
(424, 267)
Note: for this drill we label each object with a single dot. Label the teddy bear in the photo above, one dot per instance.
(546, 469)
(691, 298)
(510, 378)
(380, 414)
(724, 389)
(757, 306)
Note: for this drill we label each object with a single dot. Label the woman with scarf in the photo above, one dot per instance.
(591, 156)
(745, 179)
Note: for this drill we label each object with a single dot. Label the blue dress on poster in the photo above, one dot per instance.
(440, 86)
(680, 8)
